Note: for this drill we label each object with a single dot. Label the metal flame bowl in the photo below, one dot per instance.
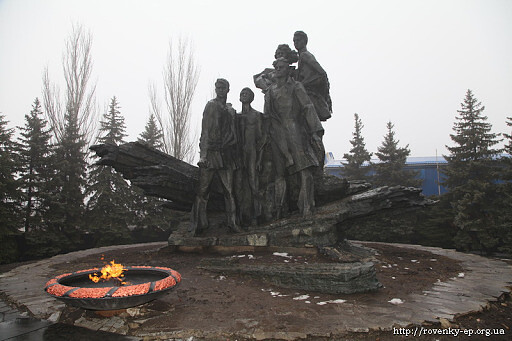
(144, 284)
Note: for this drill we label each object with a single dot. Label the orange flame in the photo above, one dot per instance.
(112, 270)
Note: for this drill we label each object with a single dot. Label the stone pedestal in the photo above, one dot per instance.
(329, 278)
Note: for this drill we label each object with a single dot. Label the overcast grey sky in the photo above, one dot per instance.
(407, 61)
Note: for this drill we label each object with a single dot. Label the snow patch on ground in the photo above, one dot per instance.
(282, 254)
(396, 301)
(338, 301)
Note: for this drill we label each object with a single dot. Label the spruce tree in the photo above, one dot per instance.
(390, 171)
(36, 168)
(507, 160)
(109, 209)
(505, 189)
(471, 175)
(470, 157)
(508, 146)
(150, 211)
(67, 206)
(9, 194)
(152, 134)
(358, 155)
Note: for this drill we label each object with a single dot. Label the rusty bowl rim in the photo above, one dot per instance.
(108, 296)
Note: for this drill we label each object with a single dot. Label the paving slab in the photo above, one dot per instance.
(29, 329)
(22, 328)
(484, 280)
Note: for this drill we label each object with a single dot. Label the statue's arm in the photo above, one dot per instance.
(263, 79)
(261, 130)
(203, 140)
(267, 105)
(231, 138)
(262, 138)
(309, 59)
(259, 125)
(239, 128)
(314, 126)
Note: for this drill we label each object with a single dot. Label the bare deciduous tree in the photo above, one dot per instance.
(180, 78)
(79, 102)
(72, 118)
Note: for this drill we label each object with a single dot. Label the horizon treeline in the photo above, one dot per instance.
(55, 199)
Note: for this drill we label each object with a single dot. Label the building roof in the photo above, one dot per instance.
(330, 161)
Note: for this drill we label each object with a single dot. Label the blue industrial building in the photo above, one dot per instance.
(429, 171)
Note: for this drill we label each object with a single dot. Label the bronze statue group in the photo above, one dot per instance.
(266, 162)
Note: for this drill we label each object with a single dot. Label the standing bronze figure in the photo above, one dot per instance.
(295, 130)
(217, 157)
(313, 77)
(251, 140)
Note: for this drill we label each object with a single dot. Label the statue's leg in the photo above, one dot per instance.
(280, 180)
(256, 200)
(306, 200)
(254, 186)
(238, 190)
(226, 178)
(280, 191)
(198, 217)
(281, 148)
(266, 183)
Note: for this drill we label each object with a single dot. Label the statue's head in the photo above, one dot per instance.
(300, 40)
(282, 67)
(221, 87)
(286, 52)
(246, 96)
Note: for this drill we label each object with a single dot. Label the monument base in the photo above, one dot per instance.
(328, 278)
(343, 268)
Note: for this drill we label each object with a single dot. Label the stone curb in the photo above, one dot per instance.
(483, 280)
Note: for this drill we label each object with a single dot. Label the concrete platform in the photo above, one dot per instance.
(484, 280)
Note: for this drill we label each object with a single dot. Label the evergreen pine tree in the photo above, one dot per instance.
(109, 209)
(36, 168)
(152, 134)
(9, 194)
(470, 176)
(391, 172)
(508, 146)
(150, 211)
(358, 155)
(470, 158)
(505, 189)
(67, 206)
(507, 160)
